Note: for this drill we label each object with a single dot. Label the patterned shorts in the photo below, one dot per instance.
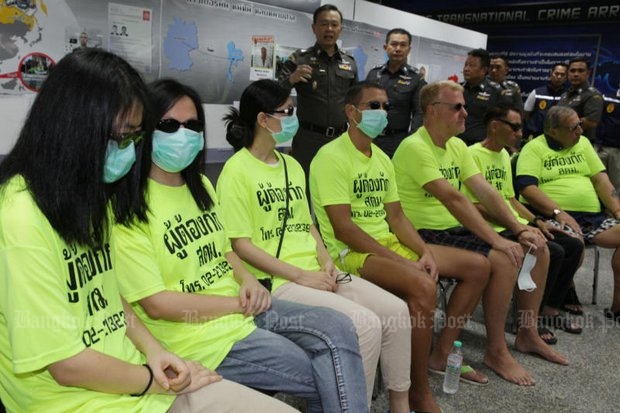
(593, 223)
(458, 237)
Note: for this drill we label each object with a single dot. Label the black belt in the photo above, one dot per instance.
(388, 131)
(329, 131)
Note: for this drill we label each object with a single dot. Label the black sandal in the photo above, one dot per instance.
(572, 300)
(561, 322)
(544, 331)
(612, 315)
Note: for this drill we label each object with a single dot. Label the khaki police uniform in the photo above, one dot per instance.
(587, 102)
(478, 100)
(320, 101)
(405, 116)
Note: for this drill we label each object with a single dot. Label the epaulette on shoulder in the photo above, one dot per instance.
(494, 84)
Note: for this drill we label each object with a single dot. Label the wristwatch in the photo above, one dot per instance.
(556, 212)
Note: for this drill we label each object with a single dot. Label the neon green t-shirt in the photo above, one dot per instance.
(496, 169)
(418, 161)
(342, 175)
(56, 300)
(563, 175)
(252, 200)
(180, 249)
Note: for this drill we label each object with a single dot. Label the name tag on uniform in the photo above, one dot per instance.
(403, 82)
(344, 66)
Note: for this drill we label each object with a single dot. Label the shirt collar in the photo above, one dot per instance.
(552, 144)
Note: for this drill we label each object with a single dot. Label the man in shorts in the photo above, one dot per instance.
(356, 203)
(431, 167)
(560, 176)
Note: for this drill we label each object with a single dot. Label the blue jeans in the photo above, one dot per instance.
(271, 363)
(330, 341)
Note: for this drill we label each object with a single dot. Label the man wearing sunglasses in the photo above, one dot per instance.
(432, 166)
(321, 75)
(355, 199)
(480, 93)
(583, 99)
(402, 84)
(504, 130)
(560, 176)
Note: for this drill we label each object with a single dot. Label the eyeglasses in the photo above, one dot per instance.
(343, 278)
(514, 126)
(454, 106)
(290, 111)
(125, 139)
(574, 128)
(173, 125)
(374, 105)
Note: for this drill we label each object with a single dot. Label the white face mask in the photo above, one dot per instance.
(525, 281)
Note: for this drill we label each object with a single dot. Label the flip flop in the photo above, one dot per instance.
(572, 300)
(612, 315)
(561, 322)
(544, 331)
(466, 369)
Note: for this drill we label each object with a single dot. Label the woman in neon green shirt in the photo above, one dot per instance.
(68, 342)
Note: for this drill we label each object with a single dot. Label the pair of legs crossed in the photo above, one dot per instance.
(418, 289)
(309, 352)
(382, 323)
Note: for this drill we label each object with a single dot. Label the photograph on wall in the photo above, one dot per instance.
(261, 66)
(130, 34)
(76, 38)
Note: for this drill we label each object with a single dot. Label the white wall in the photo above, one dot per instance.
(13, 109)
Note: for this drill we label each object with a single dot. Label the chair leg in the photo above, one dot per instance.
(597, 255)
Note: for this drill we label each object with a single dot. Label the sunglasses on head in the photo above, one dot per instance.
(124, 139)
(290, 111)
(454, 106)
(514, 126)
(173, 125)
(374, 105)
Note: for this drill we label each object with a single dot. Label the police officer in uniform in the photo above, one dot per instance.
(608, 137)
(510, 89)
(543, 98)
(402, 83)
(321, 75)
(583, 99)
(480, 94)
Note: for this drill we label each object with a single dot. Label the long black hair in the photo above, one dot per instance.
(61, 148)
(165, 93)
(264, 95)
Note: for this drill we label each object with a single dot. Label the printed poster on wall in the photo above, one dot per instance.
(130, 34)
(262, 64)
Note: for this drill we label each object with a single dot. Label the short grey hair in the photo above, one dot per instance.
(430, 92)
(555, 117)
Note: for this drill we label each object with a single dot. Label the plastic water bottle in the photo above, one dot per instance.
(453, 369)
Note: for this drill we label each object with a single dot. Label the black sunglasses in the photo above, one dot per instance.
(454, 106)
(574, 128)
(290, 111)
(173, 125)
(343, 278)
(514, 126)
(374, 105)
(125, 139)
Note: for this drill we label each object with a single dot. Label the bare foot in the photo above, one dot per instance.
(533, 344)
(505, 366)
(472, 376)
(424, 403)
